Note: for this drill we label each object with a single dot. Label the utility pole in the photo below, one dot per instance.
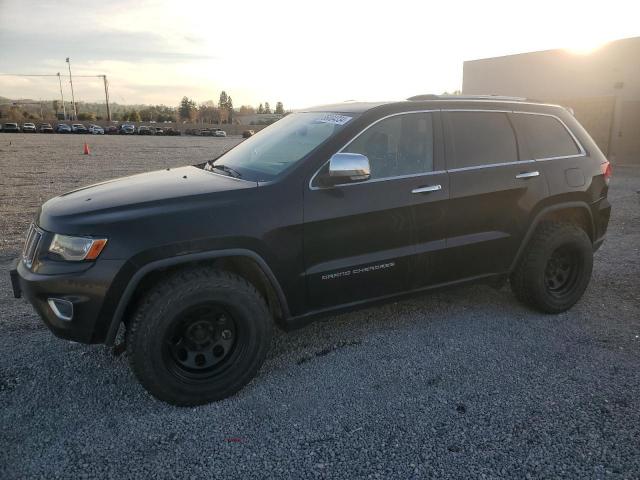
(64, 110)
(73, 99)
(106, 96)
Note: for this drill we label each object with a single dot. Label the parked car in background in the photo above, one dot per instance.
(45, 128)
(96, 130)
(78, 128)
(145, 130)
(159, 131)
(220, 133)
(169, 131)
(126, 129)
(111, 130)
(29, 128)
(62, 128)
(248, 133)
(10, 127)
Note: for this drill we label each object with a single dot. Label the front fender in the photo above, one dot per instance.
(141, 272)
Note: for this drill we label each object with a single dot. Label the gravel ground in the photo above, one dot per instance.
(461, 383)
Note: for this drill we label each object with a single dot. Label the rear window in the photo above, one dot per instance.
(480, 138)
(544, 136)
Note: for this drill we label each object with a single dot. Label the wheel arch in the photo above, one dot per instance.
(576, 212)
(243, 262)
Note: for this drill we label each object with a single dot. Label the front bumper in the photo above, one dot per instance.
(87, 290)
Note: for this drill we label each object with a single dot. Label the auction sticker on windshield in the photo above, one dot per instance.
(334, 118)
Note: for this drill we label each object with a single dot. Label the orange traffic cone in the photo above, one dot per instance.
(86, 150)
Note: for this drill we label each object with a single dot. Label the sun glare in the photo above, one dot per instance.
(585, 46)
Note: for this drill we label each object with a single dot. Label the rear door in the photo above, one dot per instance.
(359, 240)
(493, 191)
(559, 156)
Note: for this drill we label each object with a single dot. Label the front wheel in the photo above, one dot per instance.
(555, 268)
(199, 336)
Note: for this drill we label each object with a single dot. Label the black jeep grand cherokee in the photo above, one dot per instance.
(328, 209)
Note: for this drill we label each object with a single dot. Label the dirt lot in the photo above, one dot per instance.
(36, 167)
(462, 383)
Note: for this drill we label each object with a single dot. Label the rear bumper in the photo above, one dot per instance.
(85, 290)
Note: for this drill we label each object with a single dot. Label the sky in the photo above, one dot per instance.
(302, 53)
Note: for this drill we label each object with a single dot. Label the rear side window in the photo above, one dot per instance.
(544, 136)
(399, 145)
(480, 138)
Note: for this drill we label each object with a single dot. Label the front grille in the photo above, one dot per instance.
(31, 245)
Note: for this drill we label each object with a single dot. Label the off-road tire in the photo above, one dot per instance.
(531, 281)
(163, 308)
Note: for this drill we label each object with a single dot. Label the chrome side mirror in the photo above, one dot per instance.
(348, 168)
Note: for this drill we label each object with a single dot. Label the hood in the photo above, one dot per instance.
(138, 195)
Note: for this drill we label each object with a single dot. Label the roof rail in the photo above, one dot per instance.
(431, 96)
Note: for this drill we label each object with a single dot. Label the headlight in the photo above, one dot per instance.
(76, 249)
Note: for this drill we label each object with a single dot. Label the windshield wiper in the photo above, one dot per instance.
(228, 170)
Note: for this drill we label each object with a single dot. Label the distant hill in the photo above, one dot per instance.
(45, 108)
(95, 107)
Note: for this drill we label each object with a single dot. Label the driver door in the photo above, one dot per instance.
(359, 239)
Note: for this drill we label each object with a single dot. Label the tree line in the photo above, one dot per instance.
(188, 110)
(223, 112)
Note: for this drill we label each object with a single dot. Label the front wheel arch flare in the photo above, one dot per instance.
(157, 269)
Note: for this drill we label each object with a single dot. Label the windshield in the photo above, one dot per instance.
(271, 151)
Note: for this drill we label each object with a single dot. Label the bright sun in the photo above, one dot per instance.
(584, 46)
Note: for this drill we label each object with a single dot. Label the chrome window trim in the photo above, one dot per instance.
(490, 165)
(384, 179)
(491, 110)
(353, 139)
(583, 152)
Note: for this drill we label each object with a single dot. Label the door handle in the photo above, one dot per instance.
(430, 188)
(528, 174)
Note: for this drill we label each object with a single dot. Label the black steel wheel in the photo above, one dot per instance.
(562, 271)
(200, 335)
(203, 337)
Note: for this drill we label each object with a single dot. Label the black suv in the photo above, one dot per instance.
(328, 209)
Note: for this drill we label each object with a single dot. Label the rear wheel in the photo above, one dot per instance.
(555, 268)
(199, 336)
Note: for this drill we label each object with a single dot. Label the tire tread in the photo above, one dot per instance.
(521, 278)
(196, 276)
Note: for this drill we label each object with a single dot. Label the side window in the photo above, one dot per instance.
(480, 138)
(399, 145)
(545, 136)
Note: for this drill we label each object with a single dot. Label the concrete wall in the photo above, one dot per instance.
(596, 114)
(603, 88)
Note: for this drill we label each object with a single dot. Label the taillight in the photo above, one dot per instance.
(606, 171)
